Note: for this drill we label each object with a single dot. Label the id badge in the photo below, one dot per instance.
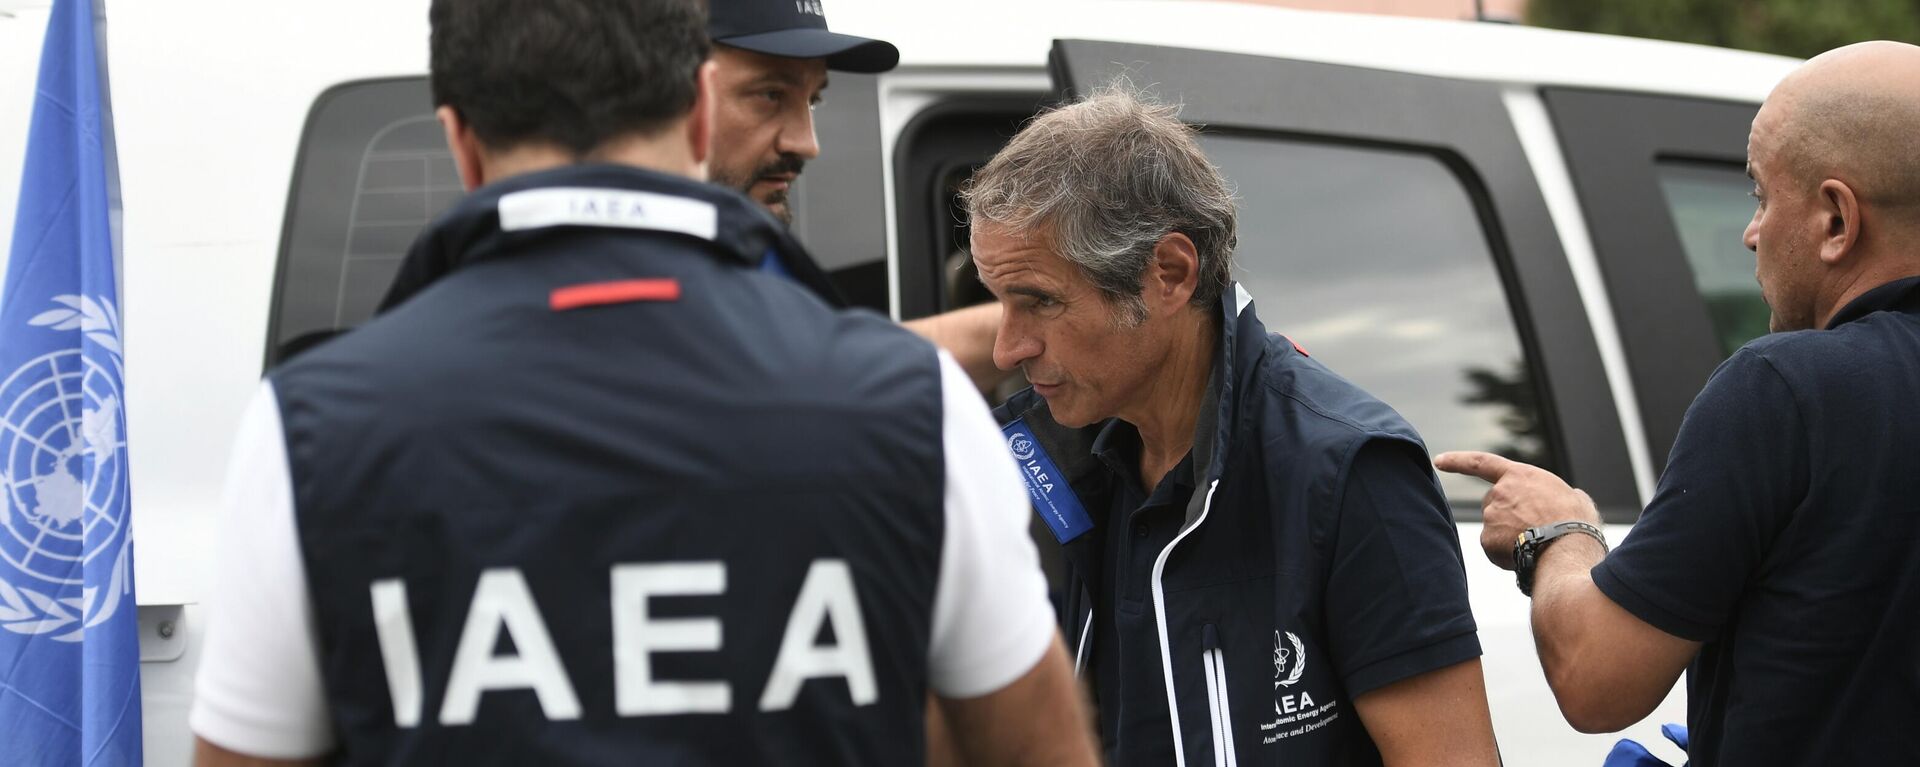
(1053, 499)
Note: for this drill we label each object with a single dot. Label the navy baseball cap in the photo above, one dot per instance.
(795, 29)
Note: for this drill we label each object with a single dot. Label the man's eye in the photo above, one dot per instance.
(1043, 302)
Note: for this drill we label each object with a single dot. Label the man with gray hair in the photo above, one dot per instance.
(1224, 501)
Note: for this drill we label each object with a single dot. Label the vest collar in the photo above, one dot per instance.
(504, 218)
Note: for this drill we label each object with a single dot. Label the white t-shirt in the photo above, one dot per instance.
(259, 690)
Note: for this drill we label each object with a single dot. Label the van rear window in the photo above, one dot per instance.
(372, 170)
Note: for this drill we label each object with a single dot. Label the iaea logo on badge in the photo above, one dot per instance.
(1022, 446)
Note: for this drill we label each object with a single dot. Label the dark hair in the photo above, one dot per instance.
(575, 73)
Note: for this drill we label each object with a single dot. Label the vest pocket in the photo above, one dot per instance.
(1218, 706)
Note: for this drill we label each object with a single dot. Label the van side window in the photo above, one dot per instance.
(1710, 211)
(1374, 259)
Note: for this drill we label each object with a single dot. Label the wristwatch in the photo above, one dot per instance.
(1528, 545)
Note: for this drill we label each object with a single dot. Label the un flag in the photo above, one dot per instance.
(69, 654)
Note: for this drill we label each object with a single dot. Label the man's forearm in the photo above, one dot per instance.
(1563, 592)
(1577, 629)
(968, 335)
(1040, 720)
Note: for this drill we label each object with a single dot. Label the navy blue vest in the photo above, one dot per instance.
(717, 435)
(1245, 578)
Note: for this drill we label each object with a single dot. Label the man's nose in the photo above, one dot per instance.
(1012, 345)
(797, 137)
(1751, 237)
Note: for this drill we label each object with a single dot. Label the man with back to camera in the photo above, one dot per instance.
(1261, 566)
(1776, 560)
(546, 509)
(772, 60)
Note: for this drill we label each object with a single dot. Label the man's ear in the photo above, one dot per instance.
(1174, 272)
(700, 124)
(465, 147)
(1839, 210)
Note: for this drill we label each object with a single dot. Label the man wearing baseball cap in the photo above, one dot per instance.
(772, 60)
(773, 57)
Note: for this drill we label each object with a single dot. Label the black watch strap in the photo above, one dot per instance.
(1528, 545)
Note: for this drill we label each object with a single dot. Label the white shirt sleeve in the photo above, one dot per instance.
(992, 621)
(258, 690)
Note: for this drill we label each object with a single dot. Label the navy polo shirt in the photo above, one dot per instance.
(1134, 726)
(1785, 535)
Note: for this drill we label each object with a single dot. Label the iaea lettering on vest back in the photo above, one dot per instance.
(617, 208)
(501, 600)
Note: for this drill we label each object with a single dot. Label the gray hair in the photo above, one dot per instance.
(1108, 177)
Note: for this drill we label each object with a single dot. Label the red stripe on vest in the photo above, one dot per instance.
(1296, 345)
(619, 292)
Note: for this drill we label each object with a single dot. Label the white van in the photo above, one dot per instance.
(1526, 240)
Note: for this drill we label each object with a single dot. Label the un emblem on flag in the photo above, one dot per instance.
(63, 474)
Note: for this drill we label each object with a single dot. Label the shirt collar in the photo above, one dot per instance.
(1115, 444)
(501, 219)
(1118, 447)
(1899, 295)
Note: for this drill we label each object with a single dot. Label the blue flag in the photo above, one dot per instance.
(69, 652)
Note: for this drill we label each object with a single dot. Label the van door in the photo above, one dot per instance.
(1662, 183)
(1392, 225)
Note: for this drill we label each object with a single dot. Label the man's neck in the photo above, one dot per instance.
(1875, 269)
(1171, 404)
(655, 152)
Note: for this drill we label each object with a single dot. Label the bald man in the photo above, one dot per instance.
(1779, 562)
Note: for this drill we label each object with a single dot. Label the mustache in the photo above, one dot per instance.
(787, 164)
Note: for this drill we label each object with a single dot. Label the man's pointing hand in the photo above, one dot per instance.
(1523, 496)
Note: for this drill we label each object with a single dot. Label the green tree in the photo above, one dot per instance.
(1792, 27)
